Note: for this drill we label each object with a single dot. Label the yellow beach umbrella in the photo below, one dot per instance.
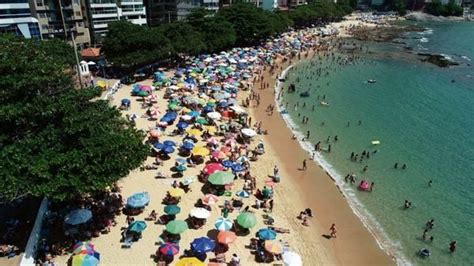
(190, 262)
(176, 192)
(102, 84)
(200, 151)
(194, 132)
(211, 129)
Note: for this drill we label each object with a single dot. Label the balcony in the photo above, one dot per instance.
(105, 15)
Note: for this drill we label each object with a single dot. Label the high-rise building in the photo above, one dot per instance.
(61, 19)
(16, 18)
(101, 12)
(166, 11)
(185, 7)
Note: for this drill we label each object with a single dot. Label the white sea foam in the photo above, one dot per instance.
(424, 39)
(428, 31)
(466, 58)
(392, 248)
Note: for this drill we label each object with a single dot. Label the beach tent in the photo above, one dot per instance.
(203, 245)
(78, 216)
(138, 200)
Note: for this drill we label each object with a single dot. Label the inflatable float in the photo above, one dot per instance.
(364, 186)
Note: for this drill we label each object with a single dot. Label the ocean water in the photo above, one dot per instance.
(423, 117)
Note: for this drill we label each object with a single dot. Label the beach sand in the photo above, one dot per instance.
(297, 191)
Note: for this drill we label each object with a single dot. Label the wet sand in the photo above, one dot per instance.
(354, 244)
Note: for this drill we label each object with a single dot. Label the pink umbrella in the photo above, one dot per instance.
(230, 142)
(210, 199)
(213, 141)
(219, 155)
(154, 133)
(145, 88)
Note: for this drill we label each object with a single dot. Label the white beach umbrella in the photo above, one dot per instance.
(237, 109)
(248, 132)
(291, 258)
(214, 115)
(200, 213)
(186, 117)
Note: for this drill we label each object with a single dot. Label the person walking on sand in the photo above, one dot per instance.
(333, 231)
(304, 165)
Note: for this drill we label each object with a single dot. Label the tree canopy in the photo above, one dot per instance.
(438, 9)
(241, 24)
(57, 141)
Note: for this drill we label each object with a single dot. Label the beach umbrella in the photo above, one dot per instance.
(219, 155)
(176, 192)
(78, 216)
(89, 259)
(266, 234)
(242, 194)
(291, 258)
(266, 192)
(188, 180)
(212, 140)
(182, 125)
(200, 213)
(172, 209)
(230, 142)
(223, 224)
(169, 143)
(125, 101)
(203, 245)
(200, 151)
(246, 219)
(209, 199)
(194, 132)
(176, 227)
(169, 249)
(181, 168)
(187, 145)
(212, 168)
(137, 226)
(190, 261)
(221, 178)
(181, 160)
(101, 84)
(167, 149)
(142, 93)
(238, 167)
(158, 145)
(227, 163)
(214, 115)
(154, 133)
(210, 129)
(81, 247)
(226, 237)
(138, 200)
(186, 117)
(248, 132)
(201, 120)
(193, 113)
(273, 247)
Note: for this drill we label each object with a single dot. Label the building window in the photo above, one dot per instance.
(78, 13)
(39, 3)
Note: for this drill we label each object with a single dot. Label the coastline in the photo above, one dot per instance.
(356, 244)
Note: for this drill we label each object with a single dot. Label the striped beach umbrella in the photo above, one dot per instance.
(169, 249)
(223, 224)
(90, 259)
(242, 194)
(210, 199)
(81, 247)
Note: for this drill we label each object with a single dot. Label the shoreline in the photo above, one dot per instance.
(361, 248)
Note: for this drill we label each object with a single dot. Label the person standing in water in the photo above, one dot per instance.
(452, 246)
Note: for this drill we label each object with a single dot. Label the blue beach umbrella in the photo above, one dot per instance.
(203, 245)
(158, 145)
(181, 160)
(169, 143)
(78, 216)
(167, 149)
(137, 226)
(227, 163)
(193, 113)
(138, 200)
(187, 145)
(180, 168)
(172, 209)
(207, 109)
(237, 168)
(182, 125)
(125, 101)
(223, 224)
(266, 234)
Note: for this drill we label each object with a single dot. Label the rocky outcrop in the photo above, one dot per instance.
(437, 59)
(420, 16)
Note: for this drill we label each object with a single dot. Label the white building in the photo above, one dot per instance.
(16, 18)
(102, 12)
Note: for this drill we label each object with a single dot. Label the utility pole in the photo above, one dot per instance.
(169, 17)
(62, 18)
(78, 65)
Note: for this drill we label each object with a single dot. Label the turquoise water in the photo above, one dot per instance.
(422, 119)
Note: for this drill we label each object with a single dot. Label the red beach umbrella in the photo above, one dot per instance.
(226, 237)
(210, 199)
(212, 167)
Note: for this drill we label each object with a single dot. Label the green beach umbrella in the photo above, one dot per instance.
(246, 220)
(201, 120)
(142, 93)
(176, 227)
(221, 178)
(172, 209)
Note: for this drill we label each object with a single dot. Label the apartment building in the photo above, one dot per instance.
(61, 19)
(101, 12)
(16, 18)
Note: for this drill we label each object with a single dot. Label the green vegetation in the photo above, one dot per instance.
(57, 141)
(129, 46)
(438, 9)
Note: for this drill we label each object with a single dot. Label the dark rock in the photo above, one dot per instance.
(437, 59)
